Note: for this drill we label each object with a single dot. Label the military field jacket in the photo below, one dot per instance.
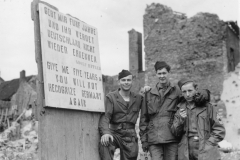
(210, 131)
(117, 111)
(156, 115)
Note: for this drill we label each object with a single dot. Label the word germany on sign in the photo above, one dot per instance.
(71, 62)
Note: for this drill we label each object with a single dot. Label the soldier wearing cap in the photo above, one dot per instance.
(117, 126)
(158, 113)
(197, 125)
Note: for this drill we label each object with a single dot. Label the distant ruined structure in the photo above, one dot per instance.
(16, 96)
(201, 47)
(135, 65)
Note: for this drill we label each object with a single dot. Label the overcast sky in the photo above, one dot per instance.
(112, 18)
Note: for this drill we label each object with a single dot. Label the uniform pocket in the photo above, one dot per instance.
(170, 98)
(203, 125)
(131, 148)
(160, 132)
(164, 131)
(171, 102)
(151, 107)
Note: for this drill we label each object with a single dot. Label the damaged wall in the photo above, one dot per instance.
(232, 45)
(26, 93)
(24, 97)
(231, 98)
(195, 47)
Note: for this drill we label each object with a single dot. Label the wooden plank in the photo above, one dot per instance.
(38, 55)
(59, 138)
(8, 123)
(6, 115)
(43, 147)
(80, 137)
(52, 133)
(2, 113)
(93, 135)
(39, 110)
(24, 111)
(60, 134)
(71, 135)
(78, 125)
(70, 118)
(90, 134)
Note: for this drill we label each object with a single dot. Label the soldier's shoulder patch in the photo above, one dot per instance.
(219, 118)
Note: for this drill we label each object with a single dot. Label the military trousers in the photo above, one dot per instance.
(124, 139)
(164, 151)
(193, 146)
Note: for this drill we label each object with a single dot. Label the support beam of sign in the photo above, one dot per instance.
(64, 134)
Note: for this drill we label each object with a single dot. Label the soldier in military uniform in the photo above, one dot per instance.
(158, 113)
(221, 107)
(117, 126)
(197, 125)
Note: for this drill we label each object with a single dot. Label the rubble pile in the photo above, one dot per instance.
(234, 155)
(20, 140)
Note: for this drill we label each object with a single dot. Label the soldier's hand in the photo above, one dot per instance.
(105, 139)
(145, 147)
(183, 113)
(146, 89)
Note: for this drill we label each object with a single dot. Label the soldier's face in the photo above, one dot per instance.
(188, 91)
(163, 75)
(126, 83)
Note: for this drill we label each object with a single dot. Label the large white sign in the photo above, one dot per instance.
(71, 62)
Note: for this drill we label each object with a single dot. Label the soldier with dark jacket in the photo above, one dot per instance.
(117, 126)
(197, 125)
(158, 113)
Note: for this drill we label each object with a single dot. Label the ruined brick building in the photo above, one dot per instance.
(202, 47)
(17, 94)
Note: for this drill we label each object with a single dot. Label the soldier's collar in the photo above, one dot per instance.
(160, 86)
(117, 94)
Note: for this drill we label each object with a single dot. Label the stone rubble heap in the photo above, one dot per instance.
(20, 141)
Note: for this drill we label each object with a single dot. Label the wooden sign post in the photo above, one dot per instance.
(69, 86)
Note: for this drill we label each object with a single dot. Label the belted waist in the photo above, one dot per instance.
(161, 116)
(193, 135)
(121, 126)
